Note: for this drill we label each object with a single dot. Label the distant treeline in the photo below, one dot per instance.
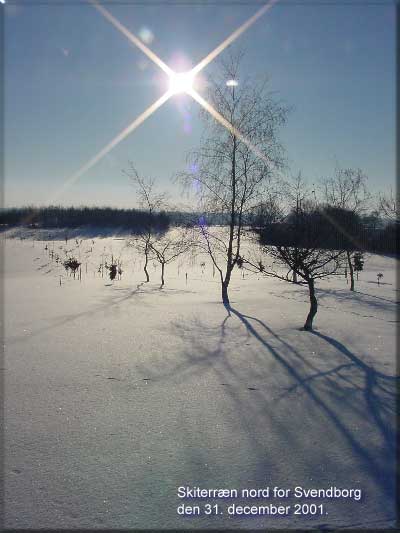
(72, 217)
(332, 228)
(326, 227)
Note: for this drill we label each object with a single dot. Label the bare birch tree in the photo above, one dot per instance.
(235, 164)
(389, 206)
(167, 248)
(151, 201)
(307, 258)
(347, 190)
(296, 194)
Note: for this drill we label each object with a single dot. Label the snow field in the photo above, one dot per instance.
(117, 393)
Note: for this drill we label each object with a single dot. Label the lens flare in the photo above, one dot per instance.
(120, 137)
(181, 82)
(233, 36)
(208, 107)
(132, 38)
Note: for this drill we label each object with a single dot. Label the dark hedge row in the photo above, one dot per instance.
(72, 217)
(332, 228)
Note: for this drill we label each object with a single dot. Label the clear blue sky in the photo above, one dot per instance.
(73, 82)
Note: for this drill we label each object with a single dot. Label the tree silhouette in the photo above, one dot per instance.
(151, 201)
(347, 190)
(307, 259)
(234, 166)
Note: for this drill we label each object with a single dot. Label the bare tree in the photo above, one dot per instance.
(151, 201)
(389, 206)
(235, 163)
(310, 265)
(297, 195)
(347, 190)
(268, 212)
(168, 248)
(307, 259)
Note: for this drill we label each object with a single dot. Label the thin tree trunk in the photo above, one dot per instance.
(351, 270)
(225, 297)
(162, 275)
(229, 266)
(308, 326)
(225, 284)
(146, 255)
(296, 250)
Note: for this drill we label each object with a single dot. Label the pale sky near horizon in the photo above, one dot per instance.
(73, 82)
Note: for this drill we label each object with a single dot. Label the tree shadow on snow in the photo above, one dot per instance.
(110, 303)
(107, 304)
(346, 399)
(377, 389)
(367, 303)
(361, 298)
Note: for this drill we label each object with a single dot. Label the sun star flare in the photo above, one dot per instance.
(181, 82)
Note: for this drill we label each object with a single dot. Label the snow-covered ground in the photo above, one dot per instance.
(117, 393)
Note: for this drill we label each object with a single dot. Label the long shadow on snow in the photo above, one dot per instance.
(374, 382)
(65, 319)
(379, 402)
(362, 298)
(366, 394)
(111, 301)
(378, 297)
(368, 301)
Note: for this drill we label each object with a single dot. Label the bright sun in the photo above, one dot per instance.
(181, 82)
